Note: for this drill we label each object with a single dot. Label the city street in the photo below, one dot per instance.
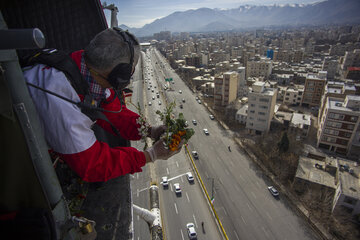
(245, 206)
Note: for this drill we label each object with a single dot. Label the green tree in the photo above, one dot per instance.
(283, 145)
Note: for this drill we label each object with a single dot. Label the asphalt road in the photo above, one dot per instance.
(245, 206)
(177, 211)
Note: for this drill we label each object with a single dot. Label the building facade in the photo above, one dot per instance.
(260, 108)
(225, 90)
(259, 67)
(338, 124)
(314, 89)
(293, 95)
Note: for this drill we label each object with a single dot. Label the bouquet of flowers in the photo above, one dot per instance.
(177, 129)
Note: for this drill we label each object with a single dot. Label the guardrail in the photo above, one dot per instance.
(207, 195)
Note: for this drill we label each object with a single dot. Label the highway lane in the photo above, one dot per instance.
(246, 208)
(176, 211)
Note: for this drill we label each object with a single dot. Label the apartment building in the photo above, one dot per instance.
(293, 95)
(314, 89)
(339, 124)
(260, 108)
(242, 87)
(331, 66)
(351, 59)
(258, 67)
(225, 90)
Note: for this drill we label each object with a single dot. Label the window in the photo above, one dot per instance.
(264, 107)
(252, 105)
(288, 94)
(262, 113)
(350, 200)
(336, 116)
(331, 131)
(329, 139)
(261, 120)
(287, 99)
(333, 124)
(252, 111)
(350, 127)
(353, 119)
(264, 100)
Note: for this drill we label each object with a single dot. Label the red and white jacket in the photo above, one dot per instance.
(68, 131)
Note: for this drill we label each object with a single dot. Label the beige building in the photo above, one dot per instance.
(261, 108)
(314, 89)
(293, 95)
(300, 125)
(259, 67)
(339, 123)
(225, 90)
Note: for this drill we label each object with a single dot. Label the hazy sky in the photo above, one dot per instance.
(137, 13)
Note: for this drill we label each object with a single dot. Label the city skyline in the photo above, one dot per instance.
(137, 13)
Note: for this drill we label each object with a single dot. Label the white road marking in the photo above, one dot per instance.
(227, 172)
(167, 170)
(171, 188)
(138, 218)
(182, 235)
(176, 208)
(243, 220)
(177, 164)
(206, 174)
(269, 216)
(187, 196)
(137, 175)
(253, 194)
(137, 192)
(195, 220)
(249, 206)
(138, 238)
(220, 180)
(224, 211)
(266, 233)
(182, 180)
(236, 235)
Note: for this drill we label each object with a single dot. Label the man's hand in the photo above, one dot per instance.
(158, 151)
(157, 131)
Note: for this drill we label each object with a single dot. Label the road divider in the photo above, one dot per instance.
(207, 195)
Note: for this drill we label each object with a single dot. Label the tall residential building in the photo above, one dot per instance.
(293, 95)
(331, 65)
(351, 59)
(261, 108)
(259, 67)
(339, 124)
(225, 90)
(314, 89)
(242, 87)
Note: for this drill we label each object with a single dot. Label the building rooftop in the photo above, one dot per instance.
(243, 110)
(299, 120)
(349, 178)
(339, 105)
(306, 170)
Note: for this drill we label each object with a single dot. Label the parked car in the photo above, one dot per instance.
(190, 177)
(195, 154)
(196, 98)
(194, 122)
(273, 191)
(211, 117)
(181, 106)
(150, 103)
(191, 231)
(165, 182)
(180, 91)
(177, 188)
(159, 102)
(183, 100)
(199, 101)
(206, 131)
(153, 97)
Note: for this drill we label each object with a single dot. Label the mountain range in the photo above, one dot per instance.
(251, 16)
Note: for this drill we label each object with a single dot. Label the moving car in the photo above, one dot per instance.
(211, 117)
(190, 177)
(206, 131)
(177, 188)
(165, 182)
(195, 154)
(273, 191)
(194, 122)
(191, 231)
(180, 91)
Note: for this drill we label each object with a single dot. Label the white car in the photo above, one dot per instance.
(194, 122)
(211, 117)
(206, 131)
(177, 188)
(199, 101)
(191, 231)
(190, 177)
(180, 91)
(165, 182)
(195, 154)
(159, 102)
(153, 97)
(273, 191)
(150, 103)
